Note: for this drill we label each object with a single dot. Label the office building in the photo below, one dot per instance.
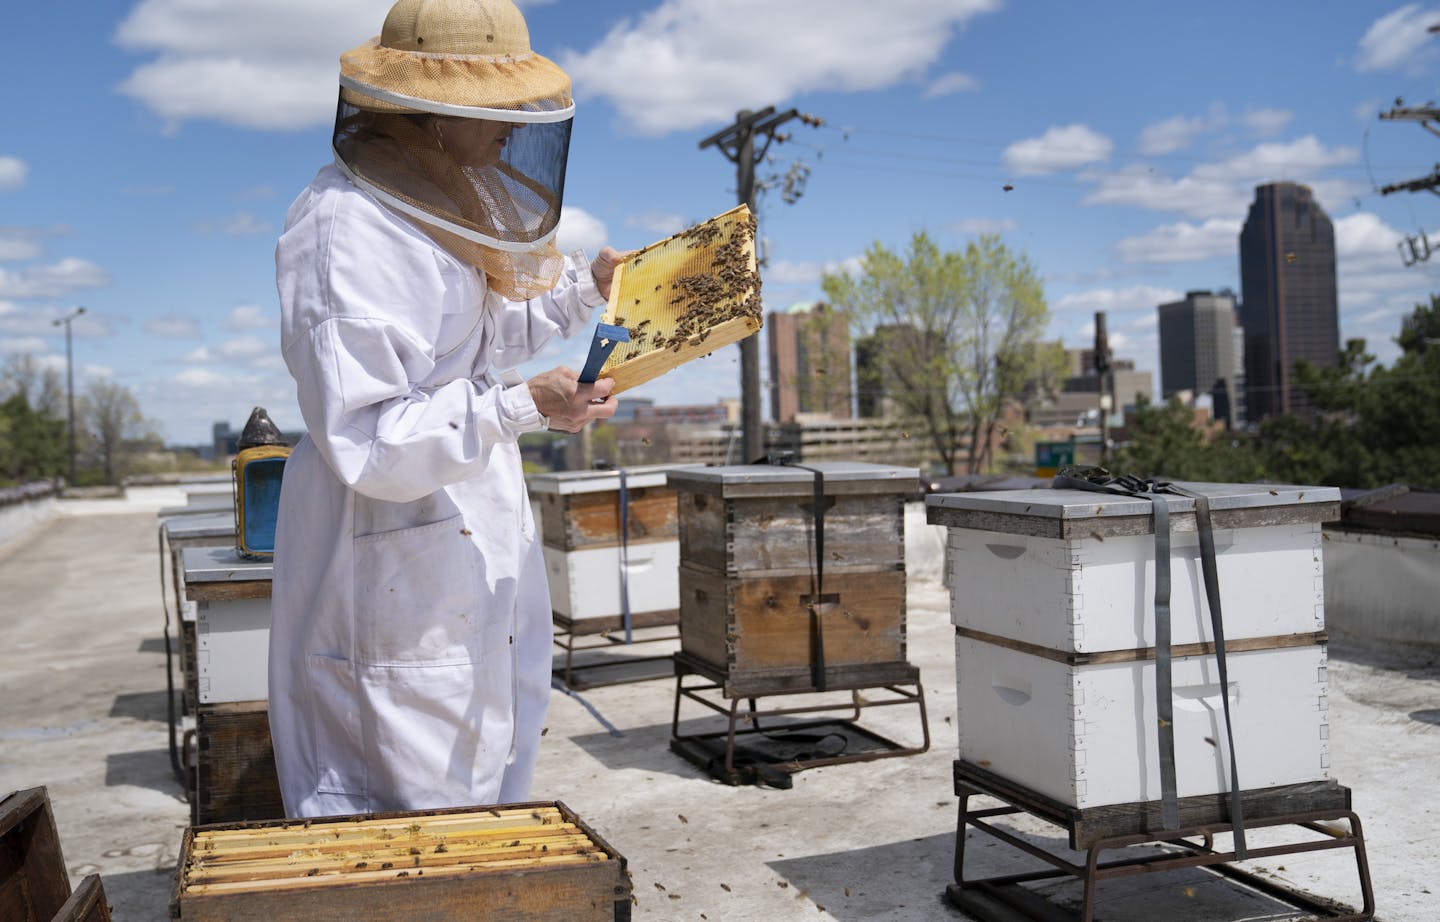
(1289, 309)
(809, 347)
(1197, 351)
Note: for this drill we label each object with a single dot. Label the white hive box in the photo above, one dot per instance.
(580, 513)
(1052, 598)
(232, 624)
(1085, 735)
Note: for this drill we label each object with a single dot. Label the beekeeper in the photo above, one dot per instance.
(410, 647)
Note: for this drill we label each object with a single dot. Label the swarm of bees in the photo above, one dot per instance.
(726, 289)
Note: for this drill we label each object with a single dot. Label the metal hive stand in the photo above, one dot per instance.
(1099, 829)
(609, 634)
(762, 752)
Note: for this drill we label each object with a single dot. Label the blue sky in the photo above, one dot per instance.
(149, 150)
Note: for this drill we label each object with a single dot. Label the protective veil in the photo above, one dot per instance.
(410, 646)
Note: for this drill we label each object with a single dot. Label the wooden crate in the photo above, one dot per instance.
(748, 573)
(234, 764)
(34, 883)
(754, 519)
(581, 509)
(535, 862)
(758, 632)
(86, 904)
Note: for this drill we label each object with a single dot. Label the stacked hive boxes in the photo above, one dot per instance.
(580, 526)
(749, 574)
(1052, 599)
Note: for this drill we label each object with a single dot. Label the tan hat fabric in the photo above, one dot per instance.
(472, 53)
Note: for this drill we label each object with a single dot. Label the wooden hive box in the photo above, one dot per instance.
(580, 527)
(534, 862)
(748, 574)
(234, 773)
(34, 883)
(1052, 600)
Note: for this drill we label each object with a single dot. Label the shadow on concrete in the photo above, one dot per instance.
(1421, 663)
(148, 768)
(139, 896)
(152, 645)
(1430, 716)
(149, 705)
(646, 748)
(870, 883)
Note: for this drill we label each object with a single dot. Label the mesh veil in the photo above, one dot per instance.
(465, 146)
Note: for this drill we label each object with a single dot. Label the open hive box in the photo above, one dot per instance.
(521, 861)
(684, 297)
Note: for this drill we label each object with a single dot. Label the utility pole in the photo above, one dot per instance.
(1102, 368)
(737, 143)
(70, 384)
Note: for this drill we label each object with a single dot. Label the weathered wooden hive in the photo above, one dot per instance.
(1052, 600)
(515, 862)
(749, 573)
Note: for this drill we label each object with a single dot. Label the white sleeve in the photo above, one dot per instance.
(362, 298)
(525, 327)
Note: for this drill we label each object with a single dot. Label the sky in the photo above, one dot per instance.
(149, 151)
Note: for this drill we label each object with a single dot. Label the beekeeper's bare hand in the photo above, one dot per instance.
(603, 268)
(567, 403)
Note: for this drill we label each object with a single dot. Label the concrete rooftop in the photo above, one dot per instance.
(83, 712)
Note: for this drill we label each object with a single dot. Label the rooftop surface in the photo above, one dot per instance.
(83, 712)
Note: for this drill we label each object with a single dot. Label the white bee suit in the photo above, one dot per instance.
(410, 648)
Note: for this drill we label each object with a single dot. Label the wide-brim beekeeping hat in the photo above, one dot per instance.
(451, 118)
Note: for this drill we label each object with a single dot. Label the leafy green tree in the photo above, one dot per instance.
(32, 421)
(955, 336)
(1168, 442)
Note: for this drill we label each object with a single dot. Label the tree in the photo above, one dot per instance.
(954, 336)
(113, 426)
(1166, 441)
(32, 421)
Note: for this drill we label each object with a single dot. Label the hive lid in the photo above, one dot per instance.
(1081, 513)
(766, 479)
(567, 482)
(207, 525)
(222, 564)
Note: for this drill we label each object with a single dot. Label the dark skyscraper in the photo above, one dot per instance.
(1198, 350)
(1289, 308)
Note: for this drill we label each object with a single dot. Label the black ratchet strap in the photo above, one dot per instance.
(1097, 479)
(818, 603)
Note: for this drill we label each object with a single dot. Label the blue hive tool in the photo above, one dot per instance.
(607, 337)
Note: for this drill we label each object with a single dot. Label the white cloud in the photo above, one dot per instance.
(17, 245)
(203, 378)
(1172, 134)
(1059, 148)
(250, 317)
(1396, 40)
(200, 356)
(245, 224)
(659, 223)
(951, 83)
(12, 172)
(580, 230)
(246, 349)
(1267, 122)
(1112, 300)
(24, 344)
(173, 326)
(53, 281)
(687, 63)
(1182, 242)
(1365, 243)
(1225, 189)
(268, 64)
(97, 371)
(785, 272)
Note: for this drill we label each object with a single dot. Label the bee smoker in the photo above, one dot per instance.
(256, 473)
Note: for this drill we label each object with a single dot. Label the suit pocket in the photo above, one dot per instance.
(418, 596)
(336, 720)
